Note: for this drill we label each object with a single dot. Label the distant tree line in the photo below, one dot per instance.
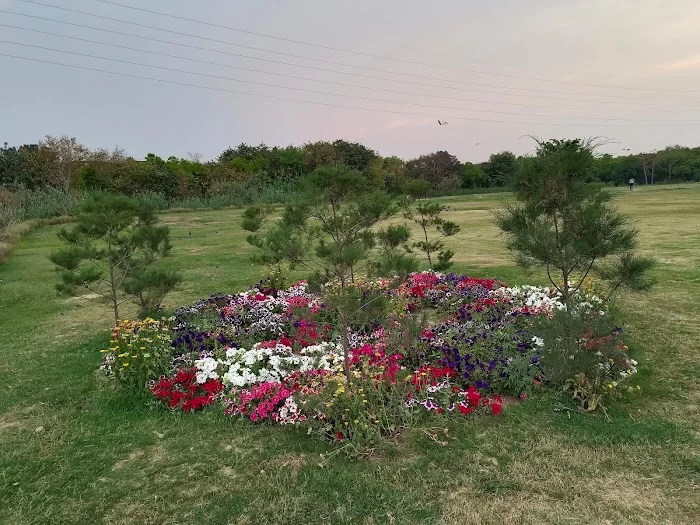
(64, 163)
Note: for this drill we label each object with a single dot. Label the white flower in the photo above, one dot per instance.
(206, 369)
(274, 364)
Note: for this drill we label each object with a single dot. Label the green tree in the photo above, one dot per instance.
(672, 159)
(440, 169)
(355, 155)
(472, 176)
(111, 252)
(330, 231)
(427, 215)
(501, 168)
(618, 170)
(319, 154)
(569, 227)
(392, 173)
(69, 155)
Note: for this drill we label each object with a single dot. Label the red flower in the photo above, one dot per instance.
(427, 334)
(183, 391)
(473, 396)
(466, 410)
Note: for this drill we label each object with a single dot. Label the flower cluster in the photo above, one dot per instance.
(267, 363)
(139, 351)
(276, 356)
(185, 392)
(268, 400)
(443, 290)
(434, 390)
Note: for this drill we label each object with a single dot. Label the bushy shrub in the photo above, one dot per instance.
(585, 355)
(139, 352)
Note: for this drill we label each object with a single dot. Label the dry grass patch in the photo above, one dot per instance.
(555, 482)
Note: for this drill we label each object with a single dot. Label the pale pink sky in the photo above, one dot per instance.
(649, 48)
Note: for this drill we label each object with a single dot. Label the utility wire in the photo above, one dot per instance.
(359, 53)
(371, 88)
(190, 46)
(328, 104)
(317, 92)
(191, 35)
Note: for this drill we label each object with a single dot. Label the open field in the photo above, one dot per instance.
(100, 458)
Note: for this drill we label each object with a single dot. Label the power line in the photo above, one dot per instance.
(328, 104)
(190, 46)
(371, 88)
(191, 35)
(359, 53)
(317, 92)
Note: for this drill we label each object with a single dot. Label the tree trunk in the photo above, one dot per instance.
(346, 344)
(113, 289)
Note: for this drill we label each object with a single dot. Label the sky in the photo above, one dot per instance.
(498, 72)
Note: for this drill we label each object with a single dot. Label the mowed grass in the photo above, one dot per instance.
(102, 458)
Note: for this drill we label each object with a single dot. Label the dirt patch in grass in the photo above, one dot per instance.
(20, 418)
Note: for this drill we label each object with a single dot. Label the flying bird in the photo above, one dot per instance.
(442, 123)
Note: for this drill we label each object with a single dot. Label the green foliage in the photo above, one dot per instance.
(426, 215)
(393, 248)
(473, 176)
(247, 174)
(328, 231)
(417, 188)
(585, 356)
(440, 169)
(139, 352)
(111, 252)
(362, 414)
(569, 227)
(501, 168)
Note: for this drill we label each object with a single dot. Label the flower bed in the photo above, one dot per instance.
(275, 356)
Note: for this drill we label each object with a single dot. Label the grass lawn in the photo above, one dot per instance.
(72, 450)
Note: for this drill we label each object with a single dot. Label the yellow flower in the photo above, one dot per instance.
(610, 385)
(125, 365)
(356, 422)
(123, 355)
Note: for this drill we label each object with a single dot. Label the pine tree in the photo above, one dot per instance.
(111, 252)
(569, 227)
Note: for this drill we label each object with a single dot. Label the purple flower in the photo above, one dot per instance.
(430, 404)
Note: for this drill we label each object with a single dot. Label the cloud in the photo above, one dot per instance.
(685, 63)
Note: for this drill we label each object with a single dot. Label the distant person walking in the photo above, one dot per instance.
(631, 183)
